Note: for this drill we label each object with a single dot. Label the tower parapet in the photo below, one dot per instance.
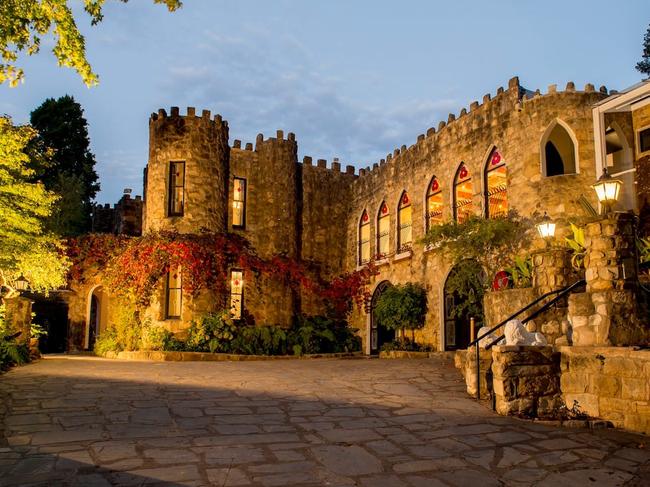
(187, 174)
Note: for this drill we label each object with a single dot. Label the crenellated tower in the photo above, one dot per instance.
(186, 179)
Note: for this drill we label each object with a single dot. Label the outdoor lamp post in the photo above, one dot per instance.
(21, 284)
(607, 189)
(546, 228)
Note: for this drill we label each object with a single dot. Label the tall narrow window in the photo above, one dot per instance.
(404, 223)
(644, 140)
(434, 204)
(239, 203)
(176, 197)
(558, 150)
(383, 231)
(174, 294)
(364, 238)
(496, 194)
(236, 293)
(462, 194)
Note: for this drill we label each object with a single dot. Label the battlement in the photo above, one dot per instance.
(511, 99)
(174, 114)
(334, 167)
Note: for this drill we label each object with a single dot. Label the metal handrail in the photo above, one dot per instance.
(560, 294)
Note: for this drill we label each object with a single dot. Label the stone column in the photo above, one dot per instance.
(551, 269)
(19, 316)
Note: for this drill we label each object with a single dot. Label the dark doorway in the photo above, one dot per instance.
(93, 324)
(52, 314)
(378, 334)
(463, 300)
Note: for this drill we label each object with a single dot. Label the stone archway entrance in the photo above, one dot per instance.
(96, 320)
(378, 334)
(462, 301)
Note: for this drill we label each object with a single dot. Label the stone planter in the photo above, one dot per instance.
(393, 354)
(216, 357)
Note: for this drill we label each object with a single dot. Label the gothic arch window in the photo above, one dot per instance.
(404, 223)
(364, 238)
(559, 150)
(496, 186)
(383, 231)
(463, 192)
(434, 203)
(620, 164)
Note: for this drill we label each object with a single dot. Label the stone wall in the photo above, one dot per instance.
(18, 314)
(499, 305)
(526, 380)
(612, 383)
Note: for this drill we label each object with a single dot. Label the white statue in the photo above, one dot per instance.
(517, 334)
(484, 342)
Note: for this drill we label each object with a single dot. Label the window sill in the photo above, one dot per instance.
(381, 262)
(403, 255)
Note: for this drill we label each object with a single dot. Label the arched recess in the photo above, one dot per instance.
(559, 150)
(433, 204)
(463, 191)
(364, 238)
(462, 299)
(620, 165)
(377, 335)
(496, 185)
(383, 231)
(404, 223)
(96, 315)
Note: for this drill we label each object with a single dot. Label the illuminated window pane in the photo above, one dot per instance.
(463, 192)
(383, 231)
(364, 238)
(405, 224)
(497, 187)
(239, 203)
(236, 293)
(434, 204)
(176, 193)
(174, 294)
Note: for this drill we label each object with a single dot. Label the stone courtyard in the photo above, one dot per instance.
(83, 421)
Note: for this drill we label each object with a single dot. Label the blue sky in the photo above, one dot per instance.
(352, 79)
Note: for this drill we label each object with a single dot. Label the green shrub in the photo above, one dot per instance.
(158, 338)
(212, 333)
(406, 345)
(127, 325)
(320, 334)
(402, 306)
(521, 271)
(107, 341)
(260, 340)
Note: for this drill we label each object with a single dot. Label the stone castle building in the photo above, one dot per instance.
(518, 150)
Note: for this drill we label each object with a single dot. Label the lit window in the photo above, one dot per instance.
(236, 293)
(404, 223)
(239, 203)
(463, 193)
(174, 294)
(434, 204)
(176, 195)
(644, 140)
(496, 193)
(364, 238)
(383, 231)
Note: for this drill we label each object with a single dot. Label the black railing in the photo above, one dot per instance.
(559, 294)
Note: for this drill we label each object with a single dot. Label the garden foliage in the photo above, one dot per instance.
(403, 306)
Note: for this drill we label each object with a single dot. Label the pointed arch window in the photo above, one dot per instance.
(463, 192)
(434, 203)
(364, 238)
(559, 152)
(404, 223)
(383, 231)
(496, 191)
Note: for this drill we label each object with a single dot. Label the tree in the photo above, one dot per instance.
(643, 66)
(402, 306)
(25, 247)
(70, 172)
(24, 22)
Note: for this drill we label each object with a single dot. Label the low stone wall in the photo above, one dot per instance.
(396, 354)
(217, 357)
(465, 361)
(612, 383)
(526, 380)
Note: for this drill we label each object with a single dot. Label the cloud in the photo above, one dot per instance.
(262, 80)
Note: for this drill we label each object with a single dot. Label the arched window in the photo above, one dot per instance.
(364, 238)
(620, 164)
(496, 190)
(383, 231)
(434, 204)
(463, 193)
(558, 151)
(404, 223)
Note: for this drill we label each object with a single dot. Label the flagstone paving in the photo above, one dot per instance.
(82, 421)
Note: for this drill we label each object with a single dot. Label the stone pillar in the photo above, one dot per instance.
(19, 316)
(551, 269)
(526, 380)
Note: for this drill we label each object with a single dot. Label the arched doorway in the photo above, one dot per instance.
(96, 317)
(462, 301)
(378, 334)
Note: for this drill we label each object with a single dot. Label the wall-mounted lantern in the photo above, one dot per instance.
(21, 284)
(546, 228)
(607, 189)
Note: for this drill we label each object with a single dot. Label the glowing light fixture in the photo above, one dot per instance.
(607, 189)
(21, 284)
(546, 228)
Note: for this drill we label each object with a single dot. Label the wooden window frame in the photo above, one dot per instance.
(244, 182)
(171, 186)
(168, 291)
